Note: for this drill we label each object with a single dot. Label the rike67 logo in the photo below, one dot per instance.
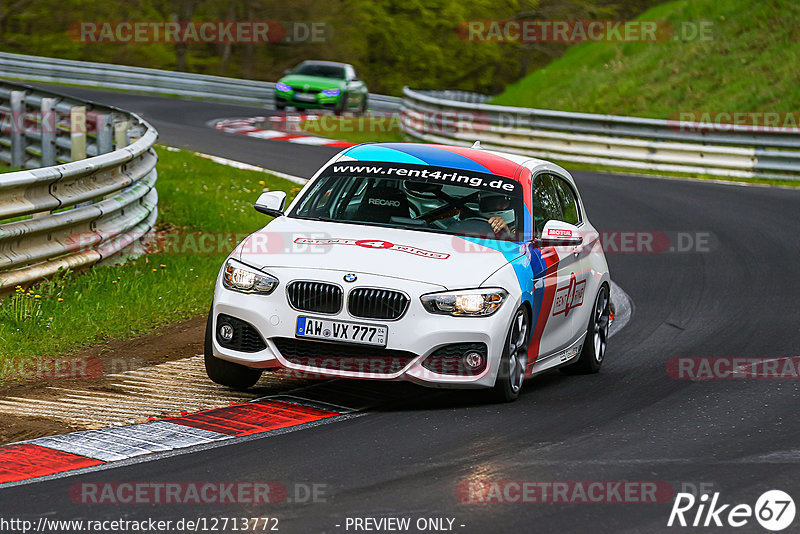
(774, 510)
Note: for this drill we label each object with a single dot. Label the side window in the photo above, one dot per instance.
(546, 203)
(569, 204)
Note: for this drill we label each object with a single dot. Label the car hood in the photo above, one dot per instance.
(313, 82)
(449, 261)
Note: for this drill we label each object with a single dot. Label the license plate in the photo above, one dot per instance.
(310, 327)
(305, 97)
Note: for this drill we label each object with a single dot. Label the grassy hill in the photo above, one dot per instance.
(751, 63)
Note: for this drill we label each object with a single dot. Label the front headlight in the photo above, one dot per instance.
(282, 87)
(331, 92)
(239, 277)
(469, 303)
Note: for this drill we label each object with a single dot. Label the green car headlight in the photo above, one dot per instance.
(244, 279)
(468, 303)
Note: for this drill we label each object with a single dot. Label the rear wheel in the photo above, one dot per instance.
(224, 372)
(513, 363)
(594, 345)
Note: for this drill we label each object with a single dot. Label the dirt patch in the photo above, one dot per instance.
(172, 342)
(15, 428)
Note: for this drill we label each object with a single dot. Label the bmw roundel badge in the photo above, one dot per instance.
(350, 277)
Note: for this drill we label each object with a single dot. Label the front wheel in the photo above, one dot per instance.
(341, 105)
(514, 360)
(224, 372)
(594, 345)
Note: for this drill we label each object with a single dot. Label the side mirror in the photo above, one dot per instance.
(560, 234)
(271, 203)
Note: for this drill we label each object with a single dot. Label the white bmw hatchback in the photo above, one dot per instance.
(441, 265)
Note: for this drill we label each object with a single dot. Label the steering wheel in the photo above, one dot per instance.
(459, 203)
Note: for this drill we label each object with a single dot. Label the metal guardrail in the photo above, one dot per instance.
(152, 81)
(605, 140)
(70, 211)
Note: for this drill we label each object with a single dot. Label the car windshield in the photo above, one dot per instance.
(317, 69)
(416, 197)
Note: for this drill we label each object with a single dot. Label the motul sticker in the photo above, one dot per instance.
(568, 297)
(559, 232)
(374, 244)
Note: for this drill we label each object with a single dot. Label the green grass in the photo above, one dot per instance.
(751, 63)
(357, 128)
(117, 302)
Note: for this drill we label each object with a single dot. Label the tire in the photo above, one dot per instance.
(363, 108)
(594, 345)
(224, 372)
(280, 105)
(341, 106)
(513, 362)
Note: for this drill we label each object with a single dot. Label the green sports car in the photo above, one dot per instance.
(321, 85)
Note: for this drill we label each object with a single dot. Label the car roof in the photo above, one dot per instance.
(454, 157)
(320, 62)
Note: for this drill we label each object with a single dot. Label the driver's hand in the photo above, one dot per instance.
(499, 225)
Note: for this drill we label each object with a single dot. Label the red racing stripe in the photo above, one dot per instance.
(253, 417)
(23, 461)
(342, 144)
(496, 164)
(550, 257)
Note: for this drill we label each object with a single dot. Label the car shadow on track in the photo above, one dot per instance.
(412, 397)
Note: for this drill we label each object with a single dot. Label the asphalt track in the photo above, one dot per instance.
(630, 422)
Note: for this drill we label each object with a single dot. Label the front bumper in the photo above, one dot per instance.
(417, 331)
(321, 102)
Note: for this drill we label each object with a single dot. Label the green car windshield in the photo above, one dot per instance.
(455, 204)
(324, 71)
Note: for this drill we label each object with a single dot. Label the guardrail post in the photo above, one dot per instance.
(48, 126)
(17, 99)
(77, 133)
(105, 135)
(121, 134)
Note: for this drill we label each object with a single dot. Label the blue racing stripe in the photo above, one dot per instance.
(436, 156)
(381, 153)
